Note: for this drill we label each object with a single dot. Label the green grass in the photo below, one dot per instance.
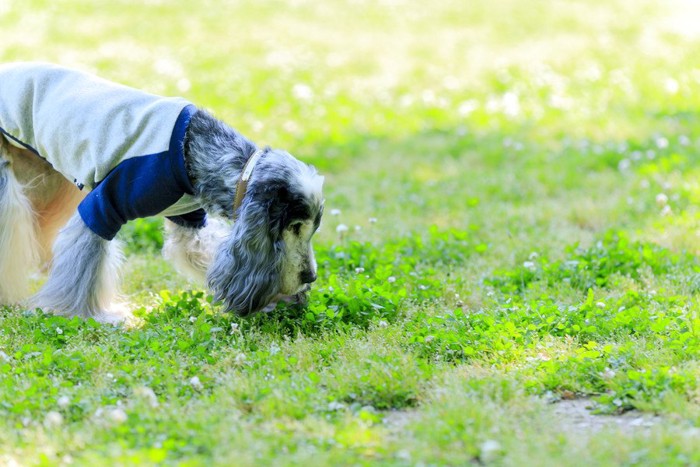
(498, 165)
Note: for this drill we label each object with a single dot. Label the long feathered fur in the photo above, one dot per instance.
(191, 250)
(246, 272)
(19, 253)
(84, 274)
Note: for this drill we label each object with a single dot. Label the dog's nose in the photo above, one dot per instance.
(308, 277)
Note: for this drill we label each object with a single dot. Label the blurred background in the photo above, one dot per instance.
(521, 119)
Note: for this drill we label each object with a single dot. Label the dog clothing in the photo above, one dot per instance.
(125, 145)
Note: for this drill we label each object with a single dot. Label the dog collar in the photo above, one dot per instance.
(242, 184)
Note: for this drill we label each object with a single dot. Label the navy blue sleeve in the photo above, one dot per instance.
(195, 219)
(138, 187)
(142, 186)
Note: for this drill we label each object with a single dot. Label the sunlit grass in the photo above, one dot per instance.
(517, 182)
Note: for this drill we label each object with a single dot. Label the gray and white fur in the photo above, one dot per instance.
(250, 264)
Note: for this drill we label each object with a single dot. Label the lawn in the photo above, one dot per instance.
(511, 223)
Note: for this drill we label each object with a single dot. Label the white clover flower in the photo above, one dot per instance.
(193, 319)
(529, 265)
(341, 228)
(661, 199)
(146, 393)
(63, 402)
(357, 228)
(183, 85)
(59, 331)
(510, 104)
(336, 406)
(359, 270)
(257, 125)
(335, 212)
(661, 142)
(240, 359)
(196, 383)
(683, 140)
(600, 305)
(168, 67)
(302, 92)
(391, 279)
(372, 220)
(624, 165)
(290, 126)
(666, 211)
(53, 419)
(489, 451)
(467, 107)
(671, 86)
(406, 101)
(117, 415)
(274, 348)
(382, 324)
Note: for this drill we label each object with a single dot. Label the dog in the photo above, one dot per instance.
(81, 156)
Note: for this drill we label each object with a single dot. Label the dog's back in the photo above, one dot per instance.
(82, 124)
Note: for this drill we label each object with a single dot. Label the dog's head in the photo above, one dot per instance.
(268, 256)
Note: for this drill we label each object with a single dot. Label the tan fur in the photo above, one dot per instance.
(53, 198)
(191, 250)
(19, 254)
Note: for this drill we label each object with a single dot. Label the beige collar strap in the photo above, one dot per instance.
(242, 184)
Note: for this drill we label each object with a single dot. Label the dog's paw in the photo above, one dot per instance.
(118, 314)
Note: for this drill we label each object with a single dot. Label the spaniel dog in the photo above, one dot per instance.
(81, 156)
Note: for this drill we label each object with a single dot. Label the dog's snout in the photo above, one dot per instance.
(307, 277)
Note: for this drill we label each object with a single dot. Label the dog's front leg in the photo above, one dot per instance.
(192, 250)
(84, 274)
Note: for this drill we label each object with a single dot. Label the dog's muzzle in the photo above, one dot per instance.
(299, 298)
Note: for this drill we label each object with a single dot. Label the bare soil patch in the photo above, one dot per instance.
(576, 417)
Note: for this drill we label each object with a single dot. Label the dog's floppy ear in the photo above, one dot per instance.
(246, 270)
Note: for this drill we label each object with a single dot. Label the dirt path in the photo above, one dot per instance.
(576, 418)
